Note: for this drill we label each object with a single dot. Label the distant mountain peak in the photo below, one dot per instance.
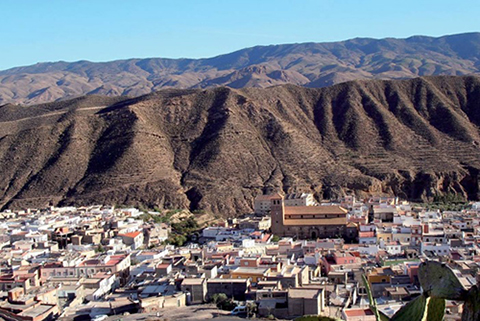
(307, 64)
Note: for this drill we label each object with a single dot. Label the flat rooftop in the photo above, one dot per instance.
(37, 311)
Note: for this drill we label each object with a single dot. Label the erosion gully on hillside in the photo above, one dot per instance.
(216, 149)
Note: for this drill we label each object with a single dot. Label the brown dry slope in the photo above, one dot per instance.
(216, 149)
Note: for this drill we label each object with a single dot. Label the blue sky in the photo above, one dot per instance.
(51, 30)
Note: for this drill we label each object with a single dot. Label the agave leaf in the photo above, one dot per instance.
(471, 307)
(435, 309)
(437, 280)
(414, 310)
(373, 303)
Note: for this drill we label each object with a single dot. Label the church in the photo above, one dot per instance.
(310, 222)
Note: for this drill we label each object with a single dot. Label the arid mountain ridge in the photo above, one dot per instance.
(217, 149)
(306, 64)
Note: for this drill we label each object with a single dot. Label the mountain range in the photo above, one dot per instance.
(306, 64)
(216, 149)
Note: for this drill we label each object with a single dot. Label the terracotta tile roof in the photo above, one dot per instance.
(113, 261)
(366, 234)
(265, 237)
(163, 265)
(132, 234)
(326, 209)
(317, 221)
(62, 230)
(358, 312)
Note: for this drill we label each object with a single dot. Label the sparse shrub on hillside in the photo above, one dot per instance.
(177, 240)
(448, 202)
(186, 226)
(157, 219)
(173, 211)
(448, 198)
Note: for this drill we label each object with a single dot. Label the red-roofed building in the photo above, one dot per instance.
(133, 239)
(358, 314)
(367, 237)
(62, 235)
(338, 258)
(266, 237)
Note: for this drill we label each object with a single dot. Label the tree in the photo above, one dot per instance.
(252, 309)
(177, 240)
(218, 298)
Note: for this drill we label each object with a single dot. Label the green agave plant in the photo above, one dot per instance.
(438, 283)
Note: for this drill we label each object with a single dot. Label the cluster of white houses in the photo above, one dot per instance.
(81, 262)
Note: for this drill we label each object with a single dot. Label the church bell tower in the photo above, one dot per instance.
(277, 210)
